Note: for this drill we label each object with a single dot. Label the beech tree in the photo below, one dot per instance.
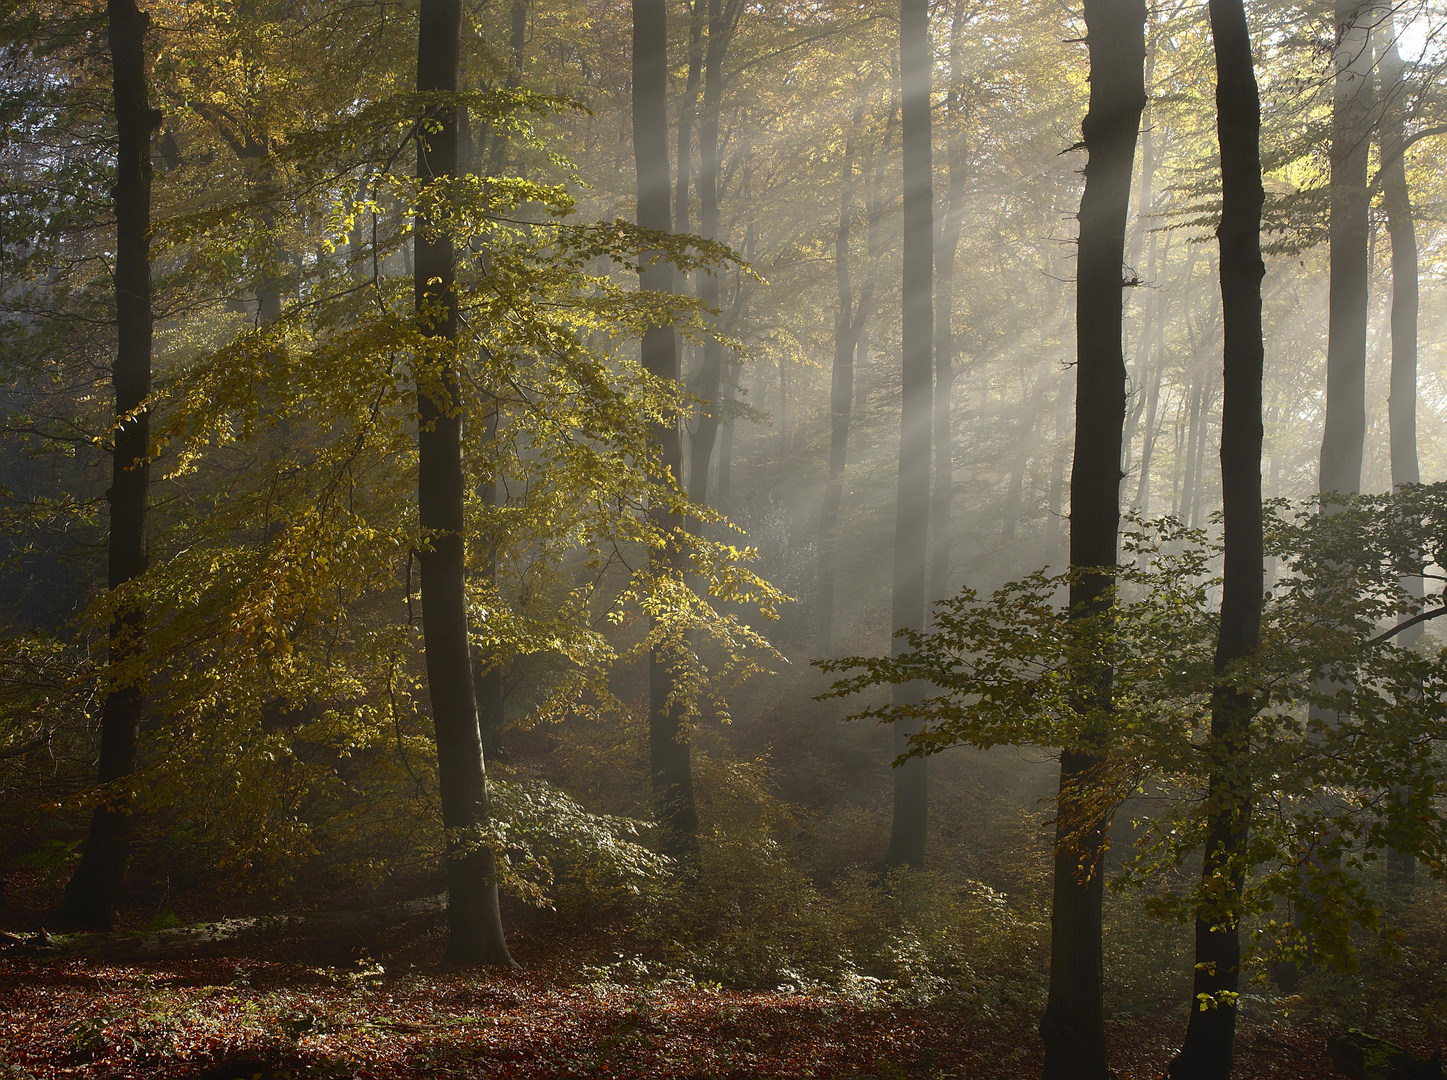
(474, 920)
(93, 891)
(911, 515)
(1210, 1037)
(668, 745)
(1074, 1025)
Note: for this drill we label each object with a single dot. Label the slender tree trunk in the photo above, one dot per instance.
(841, 396)
(1024, 445)
(475, 934)
(1346, 350)
(1188, 464)
(1210, 1036)
(487, 678)
(720, 30)
(944, 343)
(670, 763)
(687, 115)
(1054, 556)
(912, 508)
(93, 892)
(1402, 397)
(1192, 514)
(1073, 1027)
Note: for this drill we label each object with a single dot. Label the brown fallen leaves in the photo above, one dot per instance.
(275, 1019)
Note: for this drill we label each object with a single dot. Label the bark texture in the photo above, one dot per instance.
(670, 764)
(1073, 1027)
(912, 508)
(1402, 396)
(1349, 230)
(1210, 1036)
(475, 934)
(93, 892)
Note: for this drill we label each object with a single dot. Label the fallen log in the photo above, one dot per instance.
(217, 938)
(1365, 1057)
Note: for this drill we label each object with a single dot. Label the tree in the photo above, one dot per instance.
(1210, 1037)
(1346, 358)
(722, 21)
(475, 934)
(911, 516)
(92, 893)
(668, 748)
(1402, 398)
(1074, 1025)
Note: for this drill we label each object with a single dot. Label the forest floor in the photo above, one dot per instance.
(577, 1008)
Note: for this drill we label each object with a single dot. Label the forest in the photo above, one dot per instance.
(723, 538)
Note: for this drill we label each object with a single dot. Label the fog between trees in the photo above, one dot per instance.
(623, 376)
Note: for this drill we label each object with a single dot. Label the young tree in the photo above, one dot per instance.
(670, 766)
(1074, 1025)
(475, 934)
(1210, 1037)
(911, 517)
(91, 895)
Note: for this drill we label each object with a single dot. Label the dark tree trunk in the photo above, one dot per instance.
(1210, 1036)
(1073, 1027)
(1346, 350)
(93, 892)
(1402, 398)
(475, 933)
(911, 520)
(670, 764)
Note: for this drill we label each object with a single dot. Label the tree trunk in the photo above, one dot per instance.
(847, 324)
(944, 342)
(721, 23)
(1210, 1036)
(93, 892)
(1073, 1027)
(1346, 350)
(912, 508)
(1025, 443)
(687, 113)
(475, 933)
(1402, 398)
(669, 759)
(487, 679)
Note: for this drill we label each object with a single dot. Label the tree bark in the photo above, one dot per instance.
(1210, 1036)
(912, 508)
(944, 341)
(1349, 228)
(1402, 397)
(475, 934)
(721, 23)
(670, 763)
(1073, 1027)
(93, 892)
(848, 321)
